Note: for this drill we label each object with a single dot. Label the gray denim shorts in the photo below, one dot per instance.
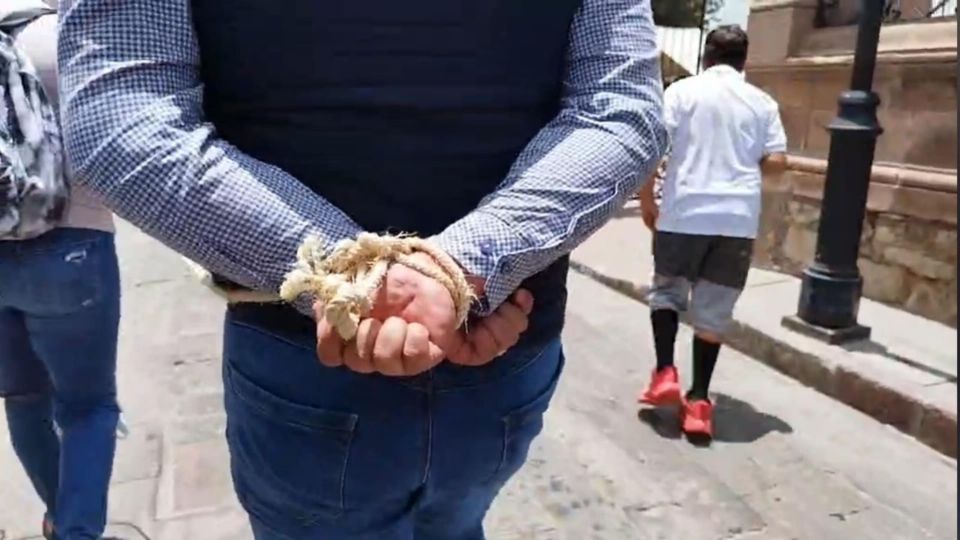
(702, 273)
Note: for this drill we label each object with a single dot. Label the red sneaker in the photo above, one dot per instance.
(664, 388)
(697, 418)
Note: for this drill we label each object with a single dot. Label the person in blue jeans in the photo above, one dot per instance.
(502, 133)
(59, 315)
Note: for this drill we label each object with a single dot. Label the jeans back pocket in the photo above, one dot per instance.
(289, 461)
(68, 275)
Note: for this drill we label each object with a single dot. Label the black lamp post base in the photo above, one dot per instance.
(832, 336)
(828, 309)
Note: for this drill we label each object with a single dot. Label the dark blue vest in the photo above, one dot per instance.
(404, 114)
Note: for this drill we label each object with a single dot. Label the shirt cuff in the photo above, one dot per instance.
(774, 148)
(485, 246)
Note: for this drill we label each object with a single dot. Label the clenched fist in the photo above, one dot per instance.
(413, 327)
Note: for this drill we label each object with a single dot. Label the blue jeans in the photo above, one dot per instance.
(320, 453)
(59, 313)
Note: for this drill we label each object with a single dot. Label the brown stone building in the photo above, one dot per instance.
(801, 53)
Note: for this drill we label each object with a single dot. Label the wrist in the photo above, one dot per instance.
(478, 284)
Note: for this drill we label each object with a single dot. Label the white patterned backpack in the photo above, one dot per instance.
(33, 191)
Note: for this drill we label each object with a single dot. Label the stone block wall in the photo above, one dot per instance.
(906, 262)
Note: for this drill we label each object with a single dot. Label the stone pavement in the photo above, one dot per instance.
(788, 463)
(904, 375)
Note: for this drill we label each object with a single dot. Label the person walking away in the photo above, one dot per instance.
(501, 134)
(59, 292)
(725, 135)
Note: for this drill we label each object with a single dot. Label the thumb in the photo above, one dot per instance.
(524, 300)
(460, 352)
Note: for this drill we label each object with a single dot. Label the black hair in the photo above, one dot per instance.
(728, 45)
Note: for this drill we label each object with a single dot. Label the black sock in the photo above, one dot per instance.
(704, 360)
(665, 324)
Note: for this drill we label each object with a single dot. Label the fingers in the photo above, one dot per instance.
(354, 362)
(358, 354)
(506, 325)
(436, 354)
(482, 345)
(491, 336)
(416, 346)
(388, 347)
(393, 348)
(329, 345)
(457, 349)
(367, 334)
(419, 354)
(403, 349)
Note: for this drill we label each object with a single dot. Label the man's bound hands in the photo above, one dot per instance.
(413, 327)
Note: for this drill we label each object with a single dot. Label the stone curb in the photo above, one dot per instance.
(931, 425)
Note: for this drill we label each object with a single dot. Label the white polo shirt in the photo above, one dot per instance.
(720, 128)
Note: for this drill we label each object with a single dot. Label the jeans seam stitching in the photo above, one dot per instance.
(429, 425)
(343, 477)
(503, 447)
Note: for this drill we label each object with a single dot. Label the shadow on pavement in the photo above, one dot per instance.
(735, 421)
(665, 421)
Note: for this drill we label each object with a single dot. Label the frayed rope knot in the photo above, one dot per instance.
(346, 280)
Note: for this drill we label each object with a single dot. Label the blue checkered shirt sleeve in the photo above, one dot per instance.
(584, 165)
(135, 132)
